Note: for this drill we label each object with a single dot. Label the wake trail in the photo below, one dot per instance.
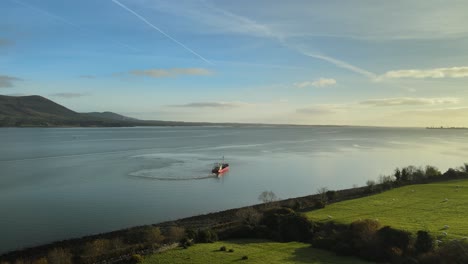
(76, 155)
(175, 179)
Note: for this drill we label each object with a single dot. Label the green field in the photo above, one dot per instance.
(416, 207)
(258, 251)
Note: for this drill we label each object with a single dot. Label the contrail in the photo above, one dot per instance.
(160, 31)
(343, 65)
(63, 20)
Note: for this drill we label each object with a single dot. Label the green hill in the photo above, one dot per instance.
(111, 116)
(257, 251)
(429, 207)
(33, 106)
(37, 111)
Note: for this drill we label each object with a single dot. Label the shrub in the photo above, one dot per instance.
(59, 256)
(223, 248)
(392, 242)
(331, 195)
(249, 216)
(96, 247)
(152, 235)
(295, 228)
(453, 252)
(271, 218)
(206, 236)
(176, 234)
(286, 225)
(191, 234)
(40, 261)
(424, 242)
(136, 258)
(245, 257)
(362, 235)
(370, 186)
(231, 250)
(186, 242)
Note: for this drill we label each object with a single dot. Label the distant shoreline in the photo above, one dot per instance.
(446, 127)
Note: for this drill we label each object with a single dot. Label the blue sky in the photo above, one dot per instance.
(388, 63)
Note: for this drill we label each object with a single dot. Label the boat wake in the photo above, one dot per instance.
(148, 177)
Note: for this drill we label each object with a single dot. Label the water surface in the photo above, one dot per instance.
(58, 183)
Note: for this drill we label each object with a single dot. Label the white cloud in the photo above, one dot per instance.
(69, 95)
(453, 72)
(213, 105)
(8, 81)
(410, 101)
(322, 82)
(321, 109)
(162, 73)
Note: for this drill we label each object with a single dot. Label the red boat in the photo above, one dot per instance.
(220, 168)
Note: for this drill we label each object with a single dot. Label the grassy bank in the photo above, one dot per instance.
(257, 251)
(428, 207)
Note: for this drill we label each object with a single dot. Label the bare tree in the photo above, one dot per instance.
(267, 197)
(322, 192)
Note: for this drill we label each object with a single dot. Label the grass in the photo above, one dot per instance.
(416, 207)
(258, 251)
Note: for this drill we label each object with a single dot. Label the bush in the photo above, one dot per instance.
(249, 216)
(424, 242)
(96, 247)
(206, 236)
(136, 258)
(331, 195)
(231, 250)
(295, 228)
(362, 237)
(186, 242)
(392, 243)
(286, 225)
(152, 235)
(40, 261)
(223, 248)
(245, 257)
(453, 252)
(176, 234)
(191, 234)
(59, 256)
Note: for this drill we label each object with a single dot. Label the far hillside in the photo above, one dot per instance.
(37, 111)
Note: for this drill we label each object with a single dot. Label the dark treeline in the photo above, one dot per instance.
(275, 220)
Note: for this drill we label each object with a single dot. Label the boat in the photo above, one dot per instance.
(220, 167)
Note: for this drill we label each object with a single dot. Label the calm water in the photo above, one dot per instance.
(69, 182)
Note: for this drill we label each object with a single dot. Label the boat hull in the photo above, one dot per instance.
(223, 170)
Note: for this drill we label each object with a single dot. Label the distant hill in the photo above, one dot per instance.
(37, 111)
(110, 115)
(34, 110)
(33, 106)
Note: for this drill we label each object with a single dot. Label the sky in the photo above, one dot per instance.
(362, 62)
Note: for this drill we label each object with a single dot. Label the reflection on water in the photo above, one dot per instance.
(62, 183)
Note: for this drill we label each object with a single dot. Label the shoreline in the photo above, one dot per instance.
(221, 222)
(215, 220)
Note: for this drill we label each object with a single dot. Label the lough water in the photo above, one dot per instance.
(59, 183)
